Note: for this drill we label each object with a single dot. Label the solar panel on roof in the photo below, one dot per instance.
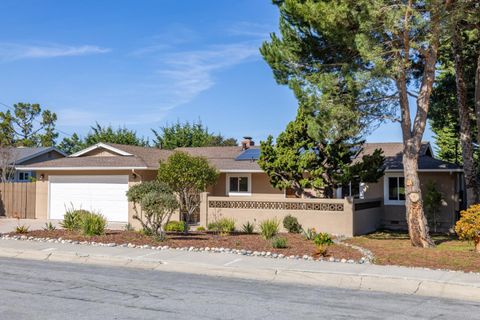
(249, 154)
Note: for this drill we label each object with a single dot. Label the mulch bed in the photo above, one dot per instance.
(392, 248)
(297, 245)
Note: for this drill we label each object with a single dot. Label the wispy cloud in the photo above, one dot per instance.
(251, 29)
(14, 51)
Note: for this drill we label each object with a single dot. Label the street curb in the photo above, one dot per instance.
(360, 281)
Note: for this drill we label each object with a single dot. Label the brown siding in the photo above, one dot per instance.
(393, 216)
(100, 152)
(44, 157)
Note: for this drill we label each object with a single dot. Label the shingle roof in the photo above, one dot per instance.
(223, 158)
(393, 153)
(21, 154)
(141, 157)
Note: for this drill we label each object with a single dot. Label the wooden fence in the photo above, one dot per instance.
(17, 200)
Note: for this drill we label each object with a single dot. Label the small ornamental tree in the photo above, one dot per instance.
(468, 227)
(301, 160)
(157, 202)
(187, 176)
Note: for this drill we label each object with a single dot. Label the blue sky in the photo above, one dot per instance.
(143, 64)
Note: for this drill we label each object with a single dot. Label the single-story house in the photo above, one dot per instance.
(21, 156)
(98, 177)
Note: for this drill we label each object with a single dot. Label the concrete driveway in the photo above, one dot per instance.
(8, 225)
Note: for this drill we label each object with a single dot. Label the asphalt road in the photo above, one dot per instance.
(47, 290)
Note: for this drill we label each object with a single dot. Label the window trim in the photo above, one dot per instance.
(24, 173)
(238, 175)
(386, 197)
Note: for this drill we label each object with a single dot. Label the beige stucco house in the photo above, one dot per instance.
(98, 177)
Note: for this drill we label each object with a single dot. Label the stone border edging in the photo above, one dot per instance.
(366, 259)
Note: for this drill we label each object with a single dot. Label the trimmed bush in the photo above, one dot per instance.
(291, 224)
(279, 243)
(176, 226)
(248, 228)
(72, 220)
(201, 228)
(468, 227)
(93, 224)
(269, 228)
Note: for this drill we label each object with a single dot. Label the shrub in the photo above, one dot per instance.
(248, 227)
(158, 203)
(223, 225)
(291, 224)
(72, 220)
(128, 227)
(309, 234)
(176, 226)
(21, 229)
(49, 226)
(269, 228)
(201, 228)
(468, 227)
(279, 242)
(93, 224)
(323, 238)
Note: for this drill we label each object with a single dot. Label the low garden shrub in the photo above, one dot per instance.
(201, 228)
(128, 227)
(322, 240)
(21, 229)
(49, 226)
(269, 228)
(291, 224)
(248, 227)
(175, 226)
(309, 234)
(72, 220)
(468, 227)
(279, 243)
(222, 225)
(93, 224)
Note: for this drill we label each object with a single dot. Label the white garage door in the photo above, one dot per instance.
(103, 194)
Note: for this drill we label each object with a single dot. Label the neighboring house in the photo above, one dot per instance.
(97, 178)
(21, 156)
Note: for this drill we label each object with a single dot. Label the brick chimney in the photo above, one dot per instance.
(247, 142)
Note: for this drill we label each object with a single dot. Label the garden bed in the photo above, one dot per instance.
(393, 248)
(297, 244)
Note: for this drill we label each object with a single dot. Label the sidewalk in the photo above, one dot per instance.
(446, 284)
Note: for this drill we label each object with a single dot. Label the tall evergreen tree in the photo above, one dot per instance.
(367, 56)
(105, 134)
(188, 134)
(28, 125)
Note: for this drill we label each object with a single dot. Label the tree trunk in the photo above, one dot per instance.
(417, 223)
(477, 98)
(464, 119)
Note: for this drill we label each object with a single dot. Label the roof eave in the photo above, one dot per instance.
(80, 168)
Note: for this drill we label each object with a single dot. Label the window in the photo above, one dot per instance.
(239, 184)
(394, 190)
(355, 189)
(24, 176)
